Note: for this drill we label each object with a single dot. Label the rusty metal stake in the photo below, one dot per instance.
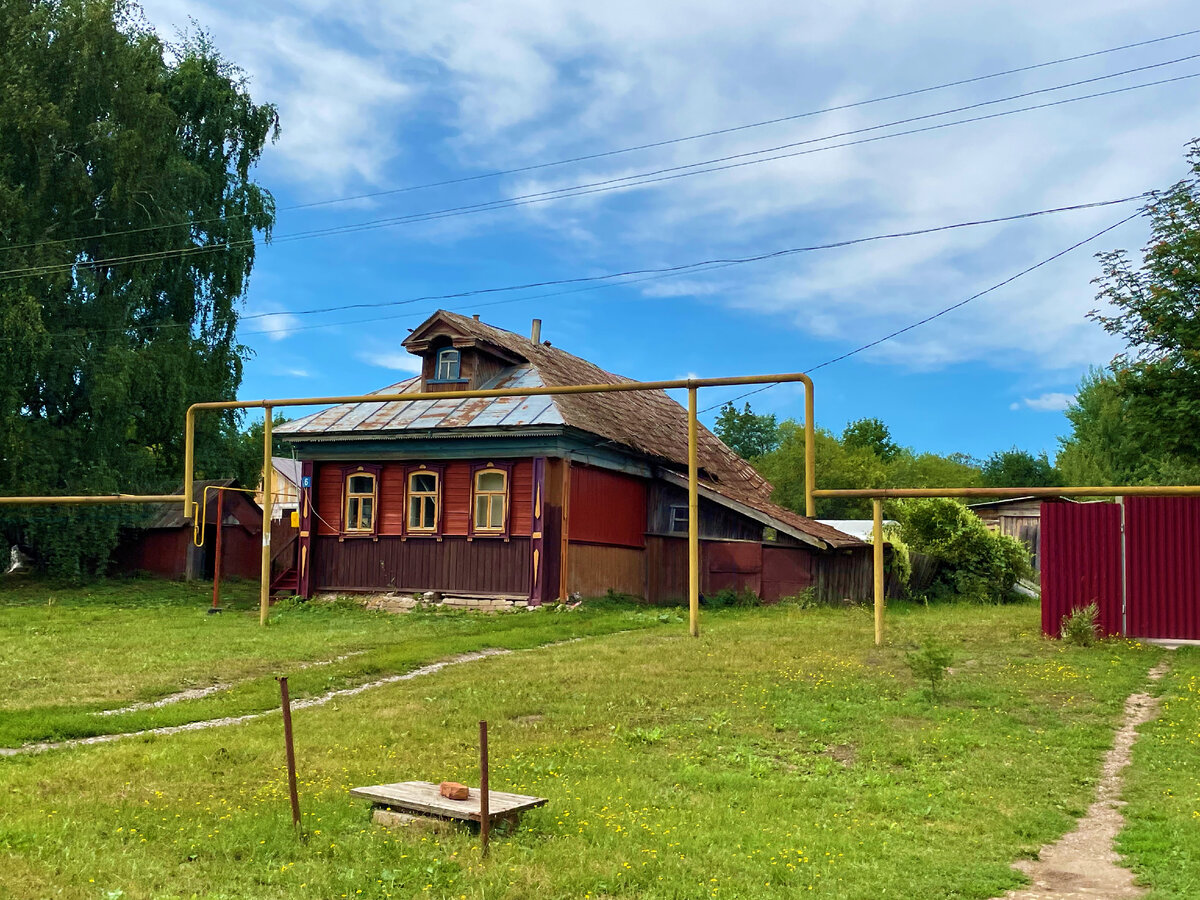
(485, 817)
(216, 601)
(291, 752)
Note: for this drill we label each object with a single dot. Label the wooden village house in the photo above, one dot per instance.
(539, 498)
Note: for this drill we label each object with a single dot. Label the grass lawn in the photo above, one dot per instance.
(71, 652)
(779, 754)
(1161, 841)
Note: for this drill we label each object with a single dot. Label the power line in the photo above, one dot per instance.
(940, 312)
(661, 271)
(591, 188)
(638, 147)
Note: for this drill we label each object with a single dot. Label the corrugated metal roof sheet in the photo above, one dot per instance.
(422, 415)
(647, 422)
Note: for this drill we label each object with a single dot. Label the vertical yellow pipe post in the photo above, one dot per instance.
(189, 438)
(810, 453)
(877, 541)
(693, 518)
(264, 588)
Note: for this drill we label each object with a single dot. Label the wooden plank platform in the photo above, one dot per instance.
(425, 797)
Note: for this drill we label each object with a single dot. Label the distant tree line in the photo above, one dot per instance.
(865, 455)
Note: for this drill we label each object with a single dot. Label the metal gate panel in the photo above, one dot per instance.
(1162, 553)
(1081, 562)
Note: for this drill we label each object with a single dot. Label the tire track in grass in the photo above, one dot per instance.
(321, 700)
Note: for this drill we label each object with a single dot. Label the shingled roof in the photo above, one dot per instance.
(649, 423)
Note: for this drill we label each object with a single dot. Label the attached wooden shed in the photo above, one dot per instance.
(164, 544)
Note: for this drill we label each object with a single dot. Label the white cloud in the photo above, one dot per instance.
(479, 87)
(1051, 402)
(277, 326)
(293, 373)
(390, 359)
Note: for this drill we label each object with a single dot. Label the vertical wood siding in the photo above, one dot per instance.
(597, 568)
(456, 497)
(450, 565)
(786, 571)
(607, 507)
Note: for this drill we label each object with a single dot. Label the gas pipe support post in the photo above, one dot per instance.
(693, 516)
(264, 588)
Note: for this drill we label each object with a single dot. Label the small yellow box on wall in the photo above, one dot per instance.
(295, 518)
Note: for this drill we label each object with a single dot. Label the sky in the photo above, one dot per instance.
(388, 99)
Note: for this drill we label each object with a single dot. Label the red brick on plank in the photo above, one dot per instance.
(452, 790)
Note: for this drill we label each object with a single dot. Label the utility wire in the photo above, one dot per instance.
(638, 147)
(661, 271)
(595, 187)
(940, 312)
(716, 164)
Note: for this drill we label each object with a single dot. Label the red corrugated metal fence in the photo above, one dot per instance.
(1081, 562)
(1162, 568)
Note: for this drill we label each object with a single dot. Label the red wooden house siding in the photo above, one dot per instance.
(456, 497)
(454, 562)
(607, 508)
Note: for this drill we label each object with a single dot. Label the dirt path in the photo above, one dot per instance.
(1083, 864)
(321, 700)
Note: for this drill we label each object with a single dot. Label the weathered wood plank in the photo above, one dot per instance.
(424, 797)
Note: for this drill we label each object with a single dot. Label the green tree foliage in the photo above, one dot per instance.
(106, 135)
(246, 458)
(1139, 419)
(1019, 468)
(870, 434)
(748, 434)
(854, 464)
(975, 564)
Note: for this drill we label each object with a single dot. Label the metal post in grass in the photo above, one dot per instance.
(877, 557)
(216, 601)
(291, 752)
(485, 817)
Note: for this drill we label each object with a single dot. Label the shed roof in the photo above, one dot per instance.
(170, 515)
(648, 423)
(287, 467)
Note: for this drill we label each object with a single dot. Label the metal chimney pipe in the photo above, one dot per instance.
(535, 334)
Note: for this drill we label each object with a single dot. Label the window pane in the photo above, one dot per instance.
(366, 513)
(497, 512)
(489, 481)
(430, 520)
(424, 483)
(481, 512)
(362, 484)
(352, 513)
(414, 512)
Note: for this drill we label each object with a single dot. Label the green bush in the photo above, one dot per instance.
(975, 564)
(1080, 626)
(727, 597)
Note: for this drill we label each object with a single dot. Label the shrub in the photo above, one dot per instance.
(1080, 626)
(806, 599)
(975, 564)
(930, 662)
(727, 597)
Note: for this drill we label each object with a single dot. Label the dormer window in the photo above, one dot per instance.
(447, 365)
